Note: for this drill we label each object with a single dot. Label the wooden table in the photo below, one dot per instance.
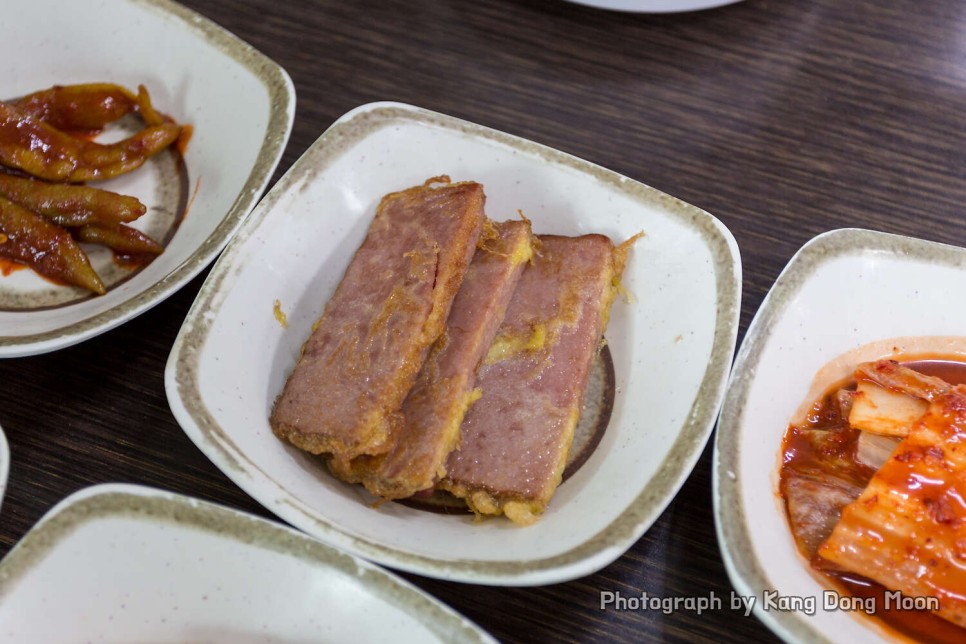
(783, 119)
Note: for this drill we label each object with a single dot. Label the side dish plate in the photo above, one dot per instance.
(847, 291)
(672, 344)
(239, 104)
(655, 6)
(4, 465)
(156, 566)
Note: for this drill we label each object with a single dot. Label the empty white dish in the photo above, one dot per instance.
(4, 465)
(125, 563)
(655, 6)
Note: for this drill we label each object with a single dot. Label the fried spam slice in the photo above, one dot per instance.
(87, 107)
(43, 151)
(70, 205)
(907, 530)
(28, 238)
(516, 437)
(434, 409)
(344, 396)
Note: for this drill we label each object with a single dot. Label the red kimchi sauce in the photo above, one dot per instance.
(838, 454)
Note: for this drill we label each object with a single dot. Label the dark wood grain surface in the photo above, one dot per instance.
(783, 119)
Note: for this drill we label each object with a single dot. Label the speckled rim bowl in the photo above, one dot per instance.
(847, 296)
(655, 6)
(671, 353)
(4, 465)
(240, 104)
(124, 562)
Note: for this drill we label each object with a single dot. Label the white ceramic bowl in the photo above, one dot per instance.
(671, 351)
(847, 296)
(239, 103)
(655, 6)
(4, 465)
(123, 563)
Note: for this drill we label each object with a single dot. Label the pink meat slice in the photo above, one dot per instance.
(363, 356)
(515, 439)
(434, 409)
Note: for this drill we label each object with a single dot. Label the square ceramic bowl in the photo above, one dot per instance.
(123, 563)
(239, 104)
(671, 353)
(848, 296)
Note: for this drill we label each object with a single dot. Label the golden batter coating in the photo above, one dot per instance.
(434, 409)
(517, 436)
(364, 354)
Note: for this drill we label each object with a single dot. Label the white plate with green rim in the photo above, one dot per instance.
(239, 104)
(848, 296)
(671, 351)
(128, 563)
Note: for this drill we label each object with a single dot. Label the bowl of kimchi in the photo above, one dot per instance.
(837, 473)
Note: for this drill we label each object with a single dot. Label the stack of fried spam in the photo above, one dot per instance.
(454, 354)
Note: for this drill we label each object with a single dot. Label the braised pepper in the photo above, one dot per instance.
(45, 152)
(86, 107)
(120, 238)
(70, 205)
(28, 238)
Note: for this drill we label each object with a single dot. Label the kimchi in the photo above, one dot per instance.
(874, 483)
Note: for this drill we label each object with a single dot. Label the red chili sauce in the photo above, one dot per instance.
(8, 266)
(839, 454)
